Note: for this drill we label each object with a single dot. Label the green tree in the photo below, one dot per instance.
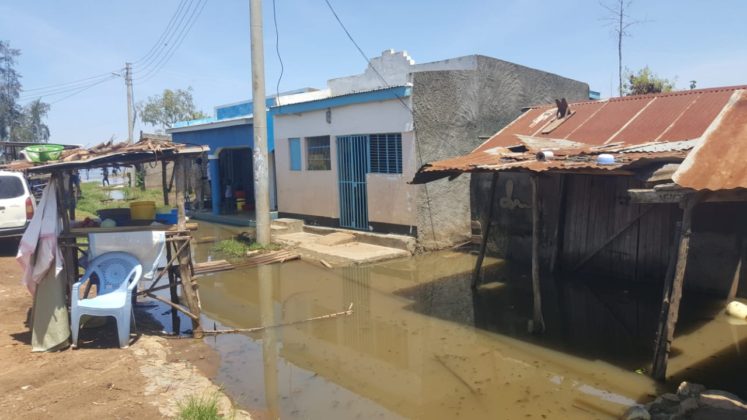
(645, 81)
(10, 90)
(32, 127)
(166, 109)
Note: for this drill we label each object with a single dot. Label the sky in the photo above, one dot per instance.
(64, 41)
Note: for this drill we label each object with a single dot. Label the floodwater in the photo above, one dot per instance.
(419, 344)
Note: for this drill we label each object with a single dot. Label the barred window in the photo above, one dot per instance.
(317, 154)
(385, 153)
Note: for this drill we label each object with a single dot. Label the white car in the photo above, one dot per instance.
(17, 205)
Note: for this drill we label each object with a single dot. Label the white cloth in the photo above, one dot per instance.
(147, 246)
(38, 249)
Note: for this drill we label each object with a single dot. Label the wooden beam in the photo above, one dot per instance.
(737, 273)
(184, 255)
(557, 251)
(179, 308)
(614, 236)
(659, 369)
(485, 233)
(164, 187)
(538, 320)
(653, 196)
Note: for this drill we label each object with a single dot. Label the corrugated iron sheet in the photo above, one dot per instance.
(718, 162)
(636, 129)
(632, 120)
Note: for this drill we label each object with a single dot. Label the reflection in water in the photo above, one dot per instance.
(387, 360)
(411, 348)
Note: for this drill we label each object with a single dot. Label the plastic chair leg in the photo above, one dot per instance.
(123, 329)
(75, 327)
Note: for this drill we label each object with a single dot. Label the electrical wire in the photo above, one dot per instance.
(74, 82)
(160, 39)
(401, 100)
(181, 37)
(168, 42)
(277, 50)
(360, 50)
(65, 89)
(81, 90)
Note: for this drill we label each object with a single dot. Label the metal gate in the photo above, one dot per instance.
(352, 165)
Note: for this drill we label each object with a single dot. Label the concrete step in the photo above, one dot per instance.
(291, 225)
(336, 238)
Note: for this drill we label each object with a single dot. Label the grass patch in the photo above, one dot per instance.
(96, 197)
(199, 408)
(237, 249)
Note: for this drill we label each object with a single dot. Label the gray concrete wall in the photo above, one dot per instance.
(452, 109)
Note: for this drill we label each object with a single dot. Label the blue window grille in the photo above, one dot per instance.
(385, 153)
(317, 154)
(295, 154)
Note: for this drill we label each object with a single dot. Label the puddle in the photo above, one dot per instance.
(420, 345)
(115, 194)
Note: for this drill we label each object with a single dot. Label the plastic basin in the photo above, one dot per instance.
(44, 152)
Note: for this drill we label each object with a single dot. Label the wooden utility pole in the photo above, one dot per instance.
(260, 155)
(130, 105)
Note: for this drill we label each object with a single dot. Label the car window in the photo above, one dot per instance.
(10, 187)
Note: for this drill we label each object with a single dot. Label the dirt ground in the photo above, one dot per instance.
(98, 380)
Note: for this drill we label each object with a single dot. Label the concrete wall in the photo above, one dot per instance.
(391, 66)
(315, 193)
(452, 110)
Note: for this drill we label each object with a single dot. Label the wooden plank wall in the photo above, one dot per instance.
(597, 207)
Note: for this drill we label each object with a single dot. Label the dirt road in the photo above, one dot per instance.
(98, 380)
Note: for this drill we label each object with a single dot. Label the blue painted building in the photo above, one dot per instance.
(230, 136)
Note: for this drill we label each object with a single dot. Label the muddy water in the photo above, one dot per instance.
(420, 344)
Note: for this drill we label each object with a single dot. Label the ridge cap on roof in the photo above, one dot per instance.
(648, 96)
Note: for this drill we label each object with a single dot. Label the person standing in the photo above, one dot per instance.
(105, 174)
(228, 196)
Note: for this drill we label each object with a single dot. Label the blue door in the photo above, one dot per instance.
(352, 165)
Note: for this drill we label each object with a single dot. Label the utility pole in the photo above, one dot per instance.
(128, 84)
(261, 178)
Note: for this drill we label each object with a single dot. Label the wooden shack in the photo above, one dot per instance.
(628, 189)
(179, 269)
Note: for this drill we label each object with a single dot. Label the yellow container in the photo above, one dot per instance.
(240, 203)
(143, 210)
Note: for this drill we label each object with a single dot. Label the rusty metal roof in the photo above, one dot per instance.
(664, 117)
(718, 162)
(636, 129)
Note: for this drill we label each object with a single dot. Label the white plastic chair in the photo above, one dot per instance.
(118, 274)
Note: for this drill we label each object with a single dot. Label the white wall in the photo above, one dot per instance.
(390, 199)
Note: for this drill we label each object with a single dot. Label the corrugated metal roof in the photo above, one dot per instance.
(673, 116)
(718, 162)
(636, 129)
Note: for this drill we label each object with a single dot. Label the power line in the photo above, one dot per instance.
(277, 50)
(82, 90)
(65, 89)
(58, 85)
(404, 104)
(365, 57)
(181, 37)
(168, 40)
(160, 39)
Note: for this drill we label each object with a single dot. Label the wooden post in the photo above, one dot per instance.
(164, 186)
(185, 270)
(485, 234)
(737, 272)
(667, 325)
(175, 320)
(68, 255)
(559, 233)
(538, 320)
